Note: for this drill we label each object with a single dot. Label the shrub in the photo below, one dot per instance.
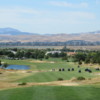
(60, 79)
(5, 65)
(65, 58)
(80, 62)
(23, 83)
(81, 78)
(0, 63)
(68, 61)
(46, 57)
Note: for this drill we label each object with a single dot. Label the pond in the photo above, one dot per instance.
(18, 67)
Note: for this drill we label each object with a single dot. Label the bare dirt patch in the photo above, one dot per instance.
(7, 85)
(98, 73)
(91, 81)
(13, 75)
(4, 85)
(56, 83)
(39, 61)
(91, 65)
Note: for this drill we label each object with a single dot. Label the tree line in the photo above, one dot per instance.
(80, 56)
(69, 43)
(29, 53)
(92, 57)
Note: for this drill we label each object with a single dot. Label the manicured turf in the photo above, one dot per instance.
(51, 93)
(47, 75)
(53, 76)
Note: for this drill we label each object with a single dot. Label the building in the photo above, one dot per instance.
(52, 52)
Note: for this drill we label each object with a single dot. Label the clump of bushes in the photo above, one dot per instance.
(60, 79)
(81, 78)
(80, 62)
(5, 65)
(23, 83)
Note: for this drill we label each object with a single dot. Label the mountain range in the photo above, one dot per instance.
(14, 35)
(12, 31)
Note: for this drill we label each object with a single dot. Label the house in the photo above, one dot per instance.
(52, 52)
(14, 52)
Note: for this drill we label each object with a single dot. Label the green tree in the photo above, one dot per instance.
(40, 56)
(80, 57)
(65, 58)
(62, 54)
(11, 55)
(87, 60)
(80, 62)
(55, 55)
(64, 48)
(0, 63)
(5, 65)
(46, 57)
(19, 54)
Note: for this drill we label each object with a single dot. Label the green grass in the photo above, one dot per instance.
(48, 75)
(91, 92)
(53, 76)
(54, 59)
(51, 93)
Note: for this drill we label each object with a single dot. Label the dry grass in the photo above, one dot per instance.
(7, 85)
(72, 82)
(90, 65)
(84, 47)
(50, 38)
(13, 75)
(95, 80)
(39, 61)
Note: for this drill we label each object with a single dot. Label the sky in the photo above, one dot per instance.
(50, 16)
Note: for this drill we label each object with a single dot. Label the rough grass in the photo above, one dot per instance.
(51, 93)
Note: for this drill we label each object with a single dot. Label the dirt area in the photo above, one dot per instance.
(98, 73)
(91, 65)
(39, 61)
(13, 75)
(7, 85)
(56, 83)
(95, 80)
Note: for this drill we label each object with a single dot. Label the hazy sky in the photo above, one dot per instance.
(50, 16)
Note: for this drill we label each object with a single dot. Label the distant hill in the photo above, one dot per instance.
(95, 32)
(14, 35)
(12, 31)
